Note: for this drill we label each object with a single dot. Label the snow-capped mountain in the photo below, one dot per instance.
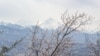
(9, 33)
(49, 24)
(12, 32)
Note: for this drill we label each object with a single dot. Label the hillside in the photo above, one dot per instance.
(11, 32)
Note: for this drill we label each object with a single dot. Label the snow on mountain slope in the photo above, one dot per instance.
(9, 33)
(49, 24)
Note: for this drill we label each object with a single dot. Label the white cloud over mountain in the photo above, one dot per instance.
(28, 12)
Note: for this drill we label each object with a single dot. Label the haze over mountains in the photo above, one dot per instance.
(49, 24)
(9, 33)
(23, 17)
(12, 32)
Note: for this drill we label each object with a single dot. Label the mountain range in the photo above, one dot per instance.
(9, 33)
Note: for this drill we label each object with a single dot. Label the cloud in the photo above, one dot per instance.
(27, 12)
(13, 10)
(82, 3)
(27, 9)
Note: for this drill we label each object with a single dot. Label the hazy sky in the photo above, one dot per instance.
(28, 12)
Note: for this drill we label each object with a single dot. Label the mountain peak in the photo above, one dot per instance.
(49, 24)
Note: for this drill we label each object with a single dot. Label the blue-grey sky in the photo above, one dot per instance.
(28, 12)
